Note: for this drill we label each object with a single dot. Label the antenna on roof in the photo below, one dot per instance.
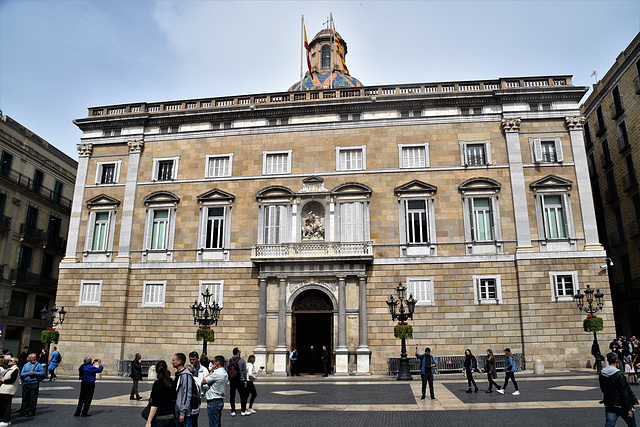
(594, 73)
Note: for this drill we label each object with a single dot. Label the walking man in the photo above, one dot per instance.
(31, 375)
(87, 373)
(293, 360)
(427, 363)
(237, 371)
(56, 358)
(136, 376)
(311, 359)
(325, 360)
(183, 382)
(198, 372)
(217, 381)
(618, 398)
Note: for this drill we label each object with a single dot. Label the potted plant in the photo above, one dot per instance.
(403, 330)
(206, 333)
(49, 335)
(592, 323)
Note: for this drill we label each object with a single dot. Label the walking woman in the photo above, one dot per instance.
(490, 369)
(470, 366)
(509, 370)
(163, 397)
(251, 377)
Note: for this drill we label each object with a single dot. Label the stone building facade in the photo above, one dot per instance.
(302, 210)
(612, 135)
(36, 187)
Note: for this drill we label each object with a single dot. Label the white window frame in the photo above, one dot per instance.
(216, 288)
(170, 228)
(156, 165)
(463, 152)
(553, 279)
(428, 208)
(477, 294)
(566, 210)
(210, 157)
(469, 218)
(82, 301)
(354, 231)
(426, 283)
(204, 222)
(116, 173)
(361, 148)
(266, 154)
(109, 232)
(401, 150)
(536, 149)
(272, 234)
(162, 293)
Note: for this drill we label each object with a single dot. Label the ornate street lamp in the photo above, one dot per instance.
(51, 322)
(402, 315)
(591, 323)
(205, 313)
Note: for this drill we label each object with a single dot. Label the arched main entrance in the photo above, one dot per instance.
(312, 325)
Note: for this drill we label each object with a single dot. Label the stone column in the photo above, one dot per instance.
(261, 350)
(575, 125)
(128, 205)
(511, 128)
(342, 352)
(280, 352)
(84, 154)
(363, 354)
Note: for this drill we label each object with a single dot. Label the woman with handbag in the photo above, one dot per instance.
(490, 369)
(162, 401)
(470, 366)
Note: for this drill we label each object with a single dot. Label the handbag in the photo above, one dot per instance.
(146, 410)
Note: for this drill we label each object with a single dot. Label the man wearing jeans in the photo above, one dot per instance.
(217, 381)
(427, 363)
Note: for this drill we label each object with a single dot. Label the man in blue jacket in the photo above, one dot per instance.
(31, 375)
(427, 363)
(87, 373)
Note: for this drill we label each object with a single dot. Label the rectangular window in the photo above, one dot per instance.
(564, 285)
(601, 127)
(31, 220)
(46, 270)
(276, 162)
(351, 226)
(606, 155)
(18, 304)
(100, 231)
(482, 219)
(630, 179)
(219, 165)
(38, 177)
(165, 169)
(153, 294)
(3, 203)
(40, 303)
(547, 150)
(623, 136)
(351, 158)
(160, 229)
(413, 156)
(587, 134)
(111, 132)
(487, 290)
(215, 228)
(422, 290)
(5, 163)
(90, 293)
(555, 226)
(417, 225)
(215, 288)
(108, 172)
(274, 223)
(24, 259)
(616, 106)
(57, 191)
(221, 125)
(475, 153)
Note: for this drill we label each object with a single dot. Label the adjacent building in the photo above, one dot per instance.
(36, 188)
(612, 135)
(302, 210)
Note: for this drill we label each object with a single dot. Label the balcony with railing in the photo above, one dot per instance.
(601, 128)
(56, 243)
(28, 183)
(5, 223)
(316, 250)
(623, 142)
(335, 93)
(32, 233)
(616, 109)
(28, 278)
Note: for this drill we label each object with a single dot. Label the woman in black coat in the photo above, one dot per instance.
(490, 369)
(470, 366)
(136, 376)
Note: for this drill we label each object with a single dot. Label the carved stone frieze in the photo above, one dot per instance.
(511, 125)
(85, 150)
(135, 147)
(575, 122)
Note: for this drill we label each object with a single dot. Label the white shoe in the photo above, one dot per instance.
(253, 411)
(3, 424)
(516, 393)
(501, 391)
(233, 414)
(245, 413)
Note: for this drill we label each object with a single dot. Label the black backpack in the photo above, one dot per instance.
(195, 393)
(233, 368)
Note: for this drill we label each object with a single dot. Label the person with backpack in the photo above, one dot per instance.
(184, 390)
(237, 371)
(199, 372)
(617, 397)
(55, 360)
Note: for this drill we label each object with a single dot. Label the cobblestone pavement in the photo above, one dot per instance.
(558, 399)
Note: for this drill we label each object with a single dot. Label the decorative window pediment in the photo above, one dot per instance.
(161, 197)
(274, 192)
(415, 187)
(352, 188)
(480, 184)
(551, 182)
(102, 201)
(215, 195)
(313, 184)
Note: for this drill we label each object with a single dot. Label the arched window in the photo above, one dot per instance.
(326, 56)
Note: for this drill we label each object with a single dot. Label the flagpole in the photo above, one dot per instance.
(302, 44)
(333, 42)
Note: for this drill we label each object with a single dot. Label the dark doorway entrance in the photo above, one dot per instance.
(312, 326)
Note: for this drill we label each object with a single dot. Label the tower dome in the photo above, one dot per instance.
(327, 68)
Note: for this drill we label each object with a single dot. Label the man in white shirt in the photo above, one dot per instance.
(217, 381)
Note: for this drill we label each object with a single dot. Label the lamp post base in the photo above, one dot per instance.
(404, 373)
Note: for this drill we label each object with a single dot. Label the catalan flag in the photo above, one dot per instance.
(339, 47)
(306, 47)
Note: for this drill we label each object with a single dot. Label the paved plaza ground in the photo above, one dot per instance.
(554, 399)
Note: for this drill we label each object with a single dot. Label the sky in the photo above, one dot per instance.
(60, 57)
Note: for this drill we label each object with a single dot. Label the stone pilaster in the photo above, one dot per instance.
(511, 128)
(363, 354)
(342, 353)
(575, 125)
(128, 205)
(261, 350)
(84, 154)
(280, 352)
